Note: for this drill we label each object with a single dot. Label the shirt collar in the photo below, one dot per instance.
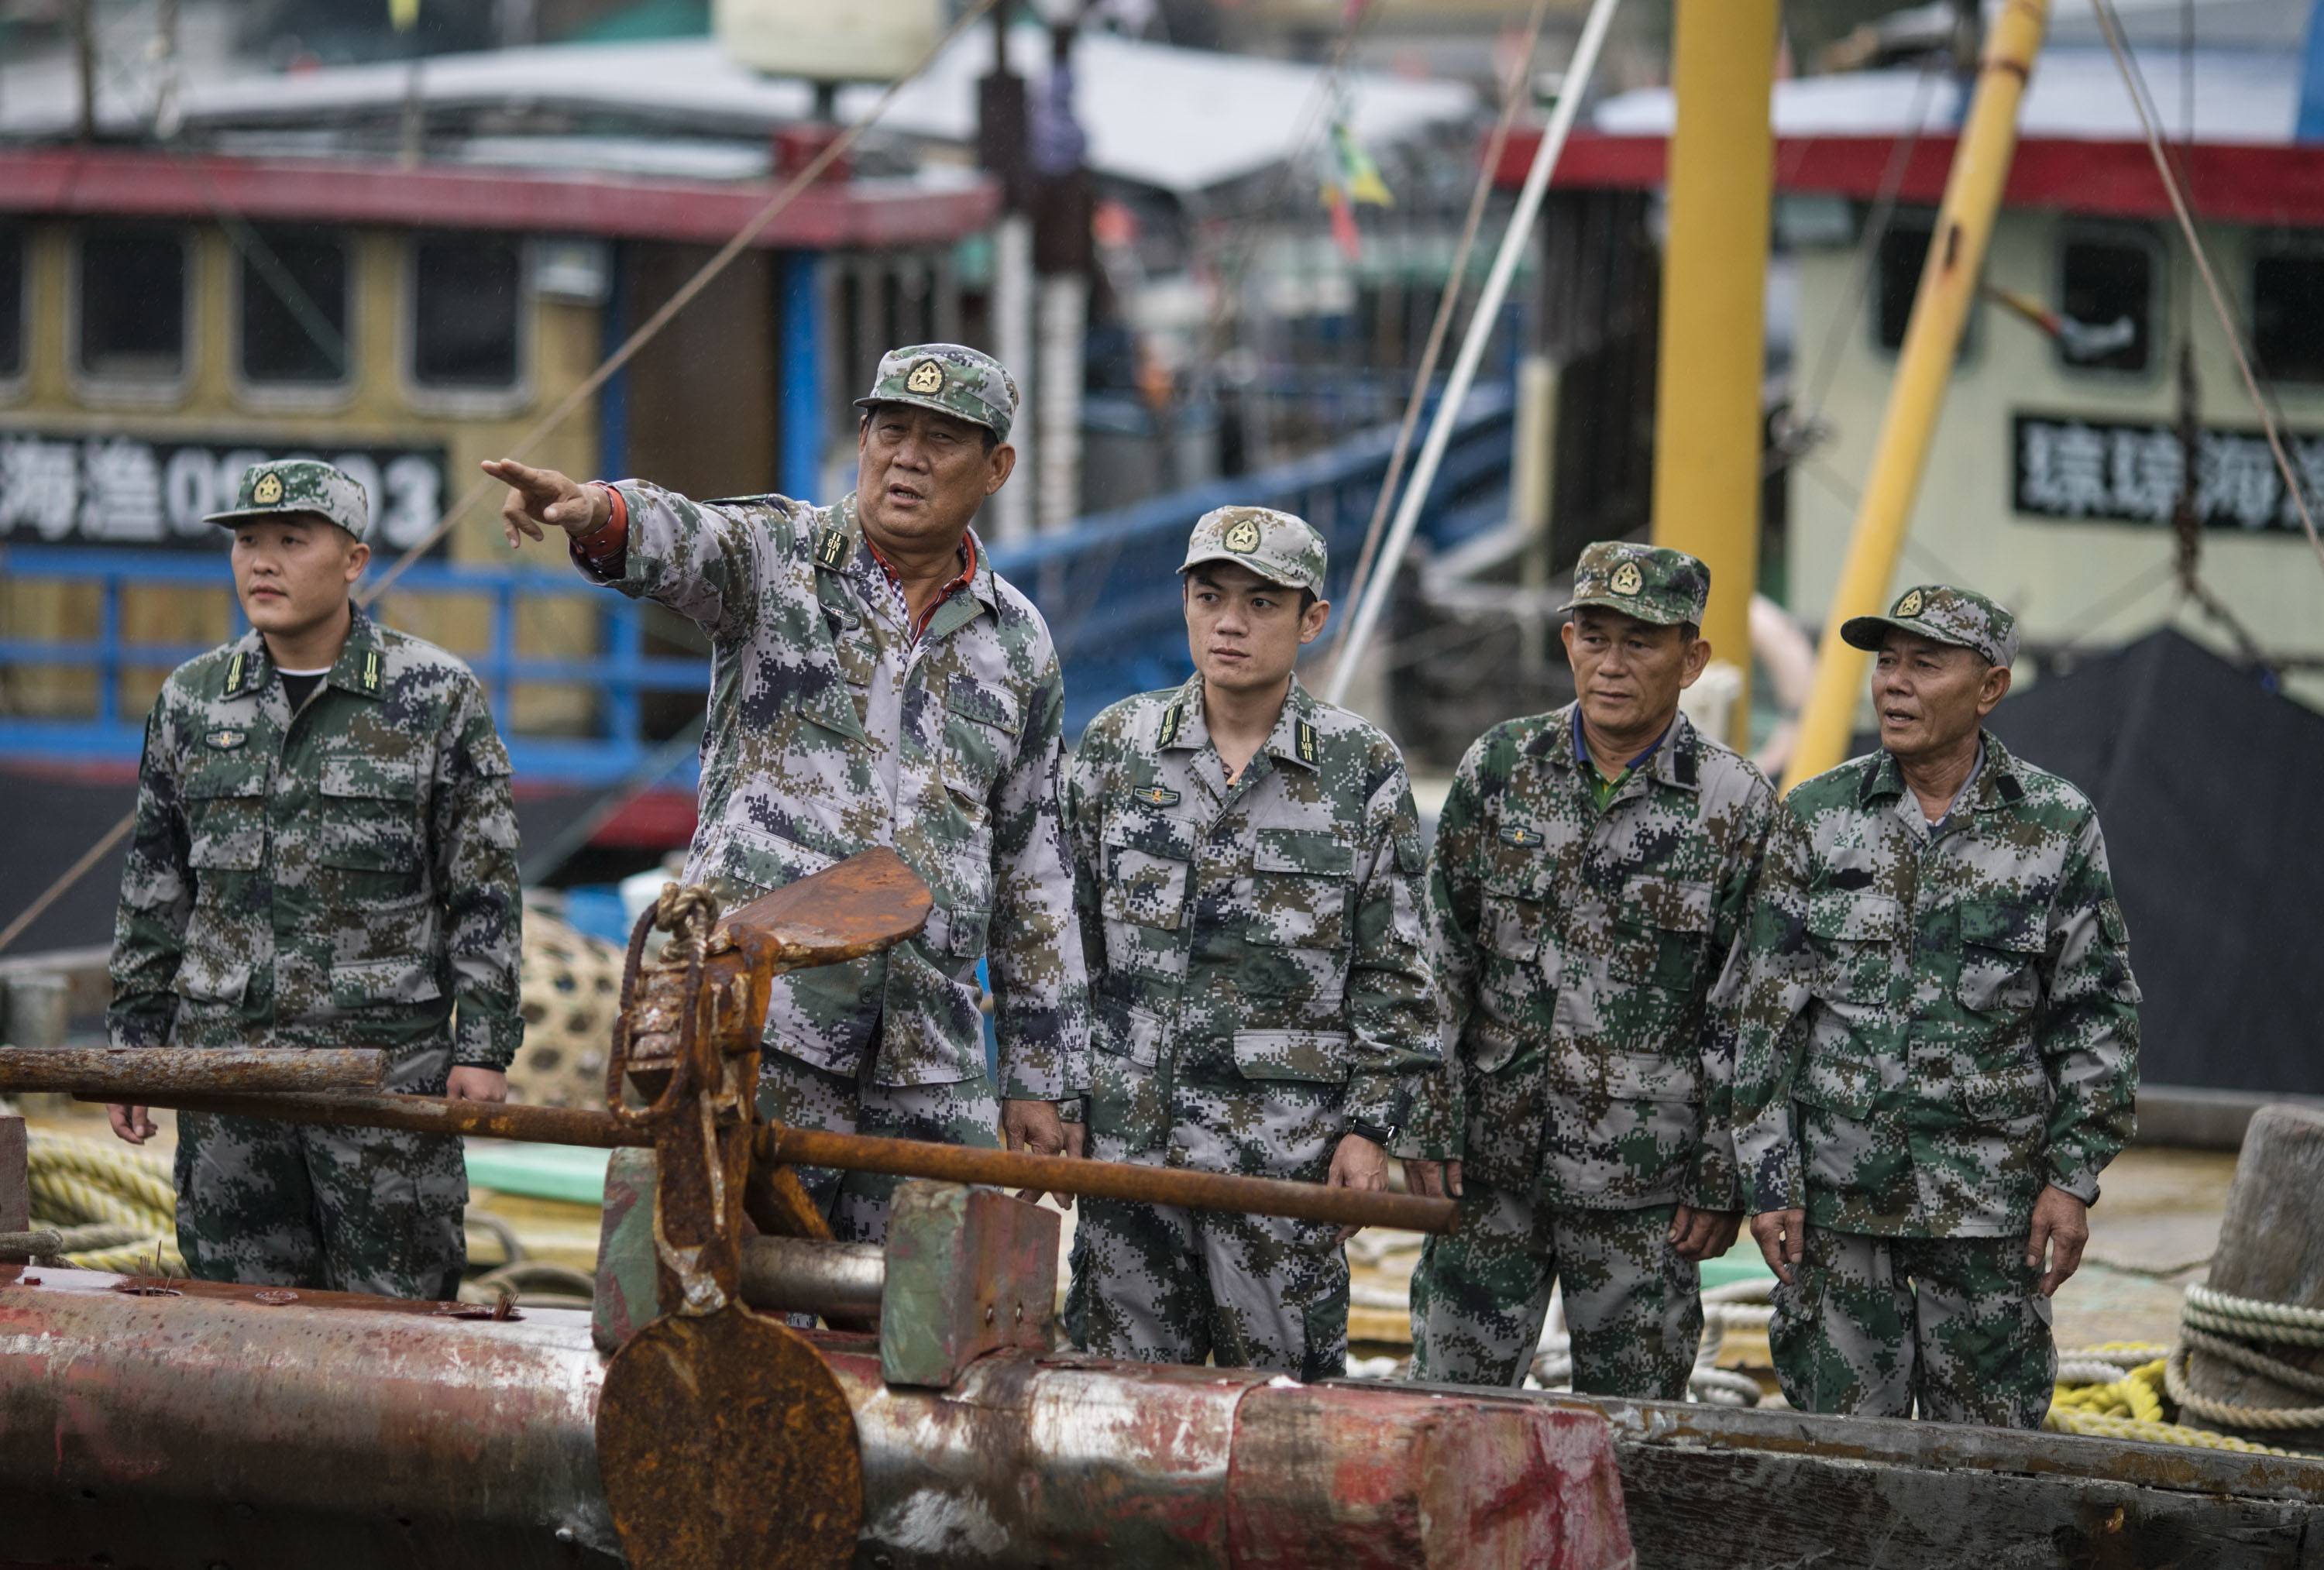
(362, 665)
(1995, 779)
(1298, 717)
(1674, 760)
(975, 573)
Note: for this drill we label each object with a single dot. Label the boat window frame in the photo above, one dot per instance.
(2267, 243)
(464, 402)
(1919, 217)
(104, 389)
(268, 397)
(2128, 235)
(14, 385)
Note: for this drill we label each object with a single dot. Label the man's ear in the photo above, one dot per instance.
(358, 558)
(1312, 620)
(998, 466)
(1992, 690)
(1698, 660)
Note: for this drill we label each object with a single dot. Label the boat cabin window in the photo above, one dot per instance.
(2287, 309)
(12, 302)
(132, 291)
(466, 307)
(293, 299)
(2106, 293)
(1903, 250)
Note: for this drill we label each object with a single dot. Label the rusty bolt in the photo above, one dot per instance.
(1020, 1313)
(988, 1315)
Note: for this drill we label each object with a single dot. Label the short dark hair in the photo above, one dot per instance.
(1688, 631)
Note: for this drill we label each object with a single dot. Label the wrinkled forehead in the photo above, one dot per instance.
(1234, 577)
(923, 417)
(1913, 645)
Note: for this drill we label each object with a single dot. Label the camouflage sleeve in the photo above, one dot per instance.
(2088, 1026)
(699, 560)
(1083, 824)
(1716, 1184)
(1391, 1008)
(157, 898)
(1437, 1129)
(1769, 1022)
(473, 841)
(1040, 995)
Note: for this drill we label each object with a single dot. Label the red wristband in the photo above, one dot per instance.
(610, 540)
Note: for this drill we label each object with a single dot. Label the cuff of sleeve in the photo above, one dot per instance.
(1073, 1109)
(1374, 1100)
(483, 1040)
(600, 554)
(138, 1031)
(2082, 1186)
(1714, 1188)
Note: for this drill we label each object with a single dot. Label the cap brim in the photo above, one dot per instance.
(1195, 560)
(228, 519)
(931, 404)
(1865, 632)
(1629, 608)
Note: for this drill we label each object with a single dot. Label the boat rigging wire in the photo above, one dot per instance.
(1576, 87)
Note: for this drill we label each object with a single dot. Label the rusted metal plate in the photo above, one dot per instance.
(626, 1299)
(114, 1072)
(723, 1440)
(869, 902)
(969, 1270)
(778, 1204)
(15, 1177)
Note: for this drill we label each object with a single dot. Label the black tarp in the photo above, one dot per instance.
(2208, 788)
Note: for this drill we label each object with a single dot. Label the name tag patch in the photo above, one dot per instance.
(1521, 837)
(226, 740)
(1156, 795)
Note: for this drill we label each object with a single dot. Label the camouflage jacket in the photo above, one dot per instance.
(1269, 930)
(831, 730)
(339, 877)
(1935, 1025)
(1577, 950)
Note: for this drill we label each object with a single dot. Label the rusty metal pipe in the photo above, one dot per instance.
(22, 1245)
(793, 1275)
(425, 1114)
(808, 1147)
(142, 1073)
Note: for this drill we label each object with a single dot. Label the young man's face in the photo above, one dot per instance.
(921, 475)
(1930, 695)
(292, 572)
(1245, 631)
(1628, 673)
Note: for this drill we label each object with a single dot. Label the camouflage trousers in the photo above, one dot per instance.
(791, 1090)
(1159, 1284)
(1482, 1292)
(337, 1209)
(1875, 1327)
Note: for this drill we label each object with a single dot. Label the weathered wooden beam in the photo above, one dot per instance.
(138, 1073)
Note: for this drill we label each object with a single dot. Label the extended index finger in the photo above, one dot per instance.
(537, 484)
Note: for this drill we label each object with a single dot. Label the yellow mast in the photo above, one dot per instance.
(1981, 160)
(1708, 390)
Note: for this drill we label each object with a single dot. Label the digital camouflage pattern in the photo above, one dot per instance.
(856, 1204)
(1577, 950)
(296, 485)
(1961, 616)
(1935, 1025)
(344, 877)
(1877, 1325)
(1260, 987)
(1651, 583)
(1634, 1307)
(1279, 546)
(831, 730)
(949, 378)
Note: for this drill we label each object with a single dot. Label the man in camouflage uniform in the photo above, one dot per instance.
(325, 857)
(1939, 1043)
(874, 683)
(1590, 876)
(1247, 867)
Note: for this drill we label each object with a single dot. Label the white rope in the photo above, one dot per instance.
(1574, 88)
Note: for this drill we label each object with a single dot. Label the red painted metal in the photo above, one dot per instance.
(131, 182)
(2225, 183)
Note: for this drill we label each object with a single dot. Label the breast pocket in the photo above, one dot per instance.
(1149, 861)
(981, 730)
(369, 830)
(1661, 930)
(225, 816)
(1303, 885)
(1855, 933)
(2002, 946)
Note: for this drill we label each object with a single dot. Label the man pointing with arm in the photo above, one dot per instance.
(874, 684)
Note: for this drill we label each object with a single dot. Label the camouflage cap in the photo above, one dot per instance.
(1277, 546)
(1961, 617)
(950, 377)
(299, 485)
(1651, 583)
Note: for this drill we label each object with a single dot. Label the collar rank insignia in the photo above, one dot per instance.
(1172, 718)
(830, 548)
(1304, 741)
(227, 739)
(1156, 795)
(234, 673)
(1523, 839)
(371, 671)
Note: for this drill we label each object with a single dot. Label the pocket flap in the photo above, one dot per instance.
(223, 778)
(1317, 1056)
(1674, 906)
(1841, 1084)
(2012, 1093)
(1651, 1077)
(983, 705)
(373, 778)
(360, 983)
(753, 859)
(1139, 1040)
(1999, 924)
(1152, 834)
(1318, 853)
(1855, 915)
(959, 932)
(207, 975)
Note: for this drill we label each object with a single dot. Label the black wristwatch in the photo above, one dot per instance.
(1373, 1131)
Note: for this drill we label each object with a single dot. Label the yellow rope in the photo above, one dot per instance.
(2069, 1421)
(76, 1182)
(2136, 1396)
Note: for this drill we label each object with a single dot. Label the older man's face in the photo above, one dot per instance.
(921, 475)
(1930, 695)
